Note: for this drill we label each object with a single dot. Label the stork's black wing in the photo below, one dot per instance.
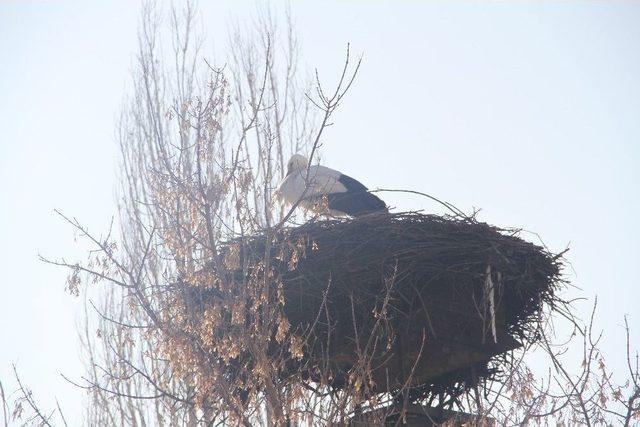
(356, 201)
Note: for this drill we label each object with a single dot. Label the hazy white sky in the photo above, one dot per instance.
(529, 110)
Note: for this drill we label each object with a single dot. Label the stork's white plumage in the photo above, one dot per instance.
(327, 190)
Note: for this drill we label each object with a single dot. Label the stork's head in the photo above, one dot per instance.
(296, 162)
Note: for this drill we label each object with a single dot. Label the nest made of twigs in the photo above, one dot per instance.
(409, 301)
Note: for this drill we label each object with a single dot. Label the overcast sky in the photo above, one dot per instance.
(529, 111)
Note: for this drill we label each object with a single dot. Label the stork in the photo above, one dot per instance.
(326, 190)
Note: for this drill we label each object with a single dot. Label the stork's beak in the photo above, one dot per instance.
(277, 192)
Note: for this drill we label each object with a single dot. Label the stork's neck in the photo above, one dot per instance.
(295, 169)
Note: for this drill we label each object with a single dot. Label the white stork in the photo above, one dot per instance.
(327, 190)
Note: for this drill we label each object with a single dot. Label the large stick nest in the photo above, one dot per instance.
(405, 300)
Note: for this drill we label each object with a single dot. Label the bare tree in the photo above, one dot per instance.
(203, 147)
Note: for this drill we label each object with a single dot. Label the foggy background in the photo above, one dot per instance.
(529, 111)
